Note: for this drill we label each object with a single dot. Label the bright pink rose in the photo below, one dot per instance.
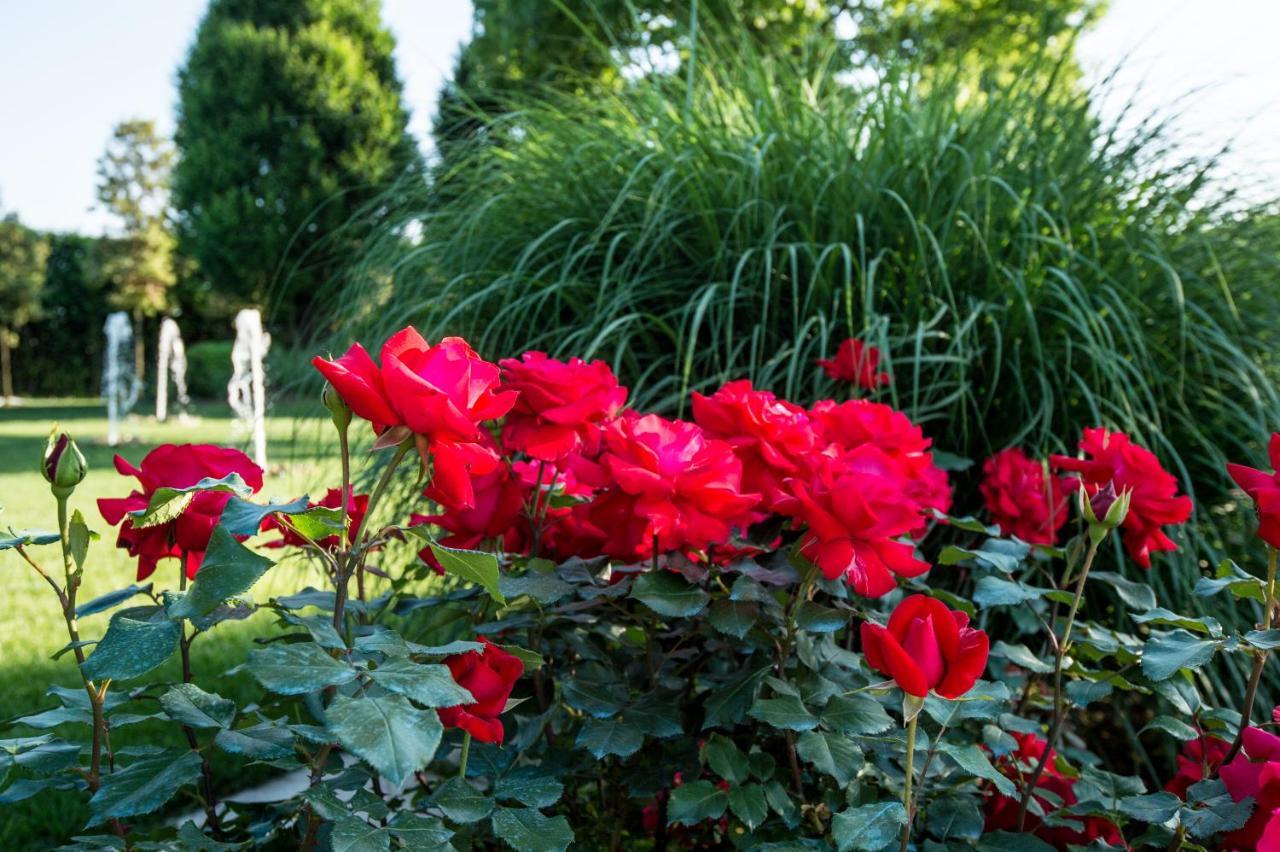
(926, 647)
(439, 393)
(1123, 464)
(1023, 499)
(561, 406)
(1002, 811)
(669, 482)
(860, 422)
(858, 363)
(489, 675)
(357, 505)
(176, 467)
(855, 507)
(773, 438)
(1254, 773)
(1264, 490)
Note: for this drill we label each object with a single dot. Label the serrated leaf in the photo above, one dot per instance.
(471, 565)
(545, 588)
(733, 618)
(527, 830)
(993, 591)
(856, 714)
(229, 569)
(21, 538)
(261, 742)
(820, 619)
(1211, 810)
(352, 834)
(461, 802)
(725, 759)
(1231, 577)
(429, 684)
(1164, 617)
(530, 785)
(78, 537)
(111, 599)
(137, 640)
(786, 711)
(242, 517)
(1022, 656)
(143, 786)
(1175, 728)
(1082, 693)
(1266, 640)
(387, 732)
(669, 594)
(955, 818)
(1137, 596)
(297, 668)
(695, 801)
(747, 802)
(167, 503)
(974, 761)
(831, 754)
(729, 704)
(603, 737)
(190, 705)
(1165, 654)
(1008, 841)
(868, 828)
(420, 832)
(1154, 808)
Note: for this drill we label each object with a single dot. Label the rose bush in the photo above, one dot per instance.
(591, 626)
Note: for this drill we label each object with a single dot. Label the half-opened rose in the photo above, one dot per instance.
(561, 405)
(489, 675)
(1264, 490)
(926, 647)
(1118, 462)
(175, 466)
(438, 393)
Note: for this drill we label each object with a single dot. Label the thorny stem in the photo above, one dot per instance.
(1259, 660)
(908, 803)
(1061, 646)
(345, 562)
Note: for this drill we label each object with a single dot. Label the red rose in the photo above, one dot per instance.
(496, 518)
(1199, 758)
(853, 424)
(855, 508)
(926, 646)
(489, 675)
(669, 481)
(560, 407)
(1264, 490)
(1123, 464)
(1023, 499)
(1255, 773)
(1002, 811)
(439, 393)
(858, 363)
(773, 438)
(357, 505)
(176, 467)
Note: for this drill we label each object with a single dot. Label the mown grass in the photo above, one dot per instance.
(31, 628)
(1027, 269)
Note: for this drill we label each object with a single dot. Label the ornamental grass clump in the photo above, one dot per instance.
(604, 628)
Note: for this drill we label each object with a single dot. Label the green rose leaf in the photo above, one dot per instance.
(190, 705)
(1175, 728)
(261, 742)
(527, 830)
(429, 684)
(1021, 656)
(786, 711)
(603, 737)
(1267, 640)
(137, 640)
(868, 828)
(748, 803)
(352, 834)
(545, 588)
(1137, 596)
(856, 714)
(168, 503)
(242, 517)
(955, 818)
(1154, 808)
(726, 759)
(420, 832)
(733, 618)
(974, 761)
(111, 599)
(1210, 810)
(1164, 654)
(229, 569)
(820, 619)
(669, 595)
(727, 705)
(21, 538)
(831, 754)
(143, 786)
(461, 802)
(1231, 577)
(386, 731)
(993, 591)
(695, 801)
(530, 785)
(470, 565)
(297, 668)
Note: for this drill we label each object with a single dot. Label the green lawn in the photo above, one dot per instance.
(300, 449)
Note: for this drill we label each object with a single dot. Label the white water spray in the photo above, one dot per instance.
(173, 363)
(120, 384)
(247, 389)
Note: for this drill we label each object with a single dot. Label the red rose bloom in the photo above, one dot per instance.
(1022, 499)
(357, 505)
(176, 467)
(1199, 758)
(560, 406)
(1002, 811)
(497, 516)
(772, 437)
(926, 646)
(1264, 490)
(671, 482)
(858, 363)
(853, 424)
(1255, 773)
(439, 393)
(489, 675)
(1118, 461)
(855, 509)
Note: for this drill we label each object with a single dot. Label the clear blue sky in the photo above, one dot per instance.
(73, 68)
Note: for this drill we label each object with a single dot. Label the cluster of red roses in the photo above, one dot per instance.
(1254, 773)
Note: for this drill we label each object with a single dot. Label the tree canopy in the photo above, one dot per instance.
(289, 122)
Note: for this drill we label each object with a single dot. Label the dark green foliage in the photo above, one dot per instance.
(209, 369)
(289, 122)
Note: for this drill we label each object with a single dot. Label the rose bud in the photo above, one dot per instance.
(63, 465)
(1106, 510)
(339, 411)
(927, 646)
(489, 675)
